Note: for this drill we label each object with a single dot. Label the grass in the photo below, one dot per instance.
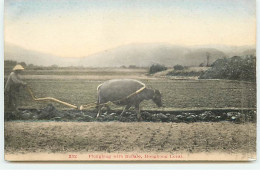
(175, 93)
(79, 87)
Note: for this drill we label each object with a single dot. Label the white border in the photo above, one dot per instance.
(125, 166)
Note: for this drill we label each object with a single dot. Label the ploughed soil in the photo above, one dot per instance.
(50, 113)
(56, 137)
(49, 130)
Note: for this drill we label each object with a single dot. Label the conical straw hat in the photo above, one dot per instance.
(18, 67)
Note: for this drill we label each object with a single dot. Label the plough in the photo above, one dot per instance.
(81, 107)
(50, 99)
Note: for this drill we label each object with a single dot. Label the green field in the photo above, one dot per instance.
(79, 87)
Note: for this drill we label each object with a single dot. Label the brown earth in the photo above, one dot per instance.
(111, 137)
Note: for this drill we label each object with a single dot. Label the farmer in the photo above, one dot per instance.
(12, 88)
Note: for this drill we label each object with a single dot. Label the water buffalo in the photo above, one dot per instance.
(126, 92)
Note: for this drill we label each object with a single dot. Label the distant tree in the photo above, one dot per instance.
(54, 66)
(234, 68)
(10, 63)
(156, 68)
(178, 67)
(208, 57)
(23, 64)
(201, 65)
(132, 66)
(30, 65)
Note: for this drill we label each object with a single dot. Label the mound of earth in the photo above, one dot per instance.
(235, 68)
(50, 113)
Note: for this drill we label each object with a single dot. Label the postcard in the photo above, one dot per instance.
(129, 80)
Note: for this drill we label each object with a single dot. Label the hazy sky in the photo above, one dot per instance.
(75, 28)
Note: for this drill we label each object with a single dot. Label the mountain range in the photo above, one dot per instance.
(141, 55)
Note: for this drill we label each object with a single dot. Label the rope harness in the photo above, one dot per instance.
(81, 107)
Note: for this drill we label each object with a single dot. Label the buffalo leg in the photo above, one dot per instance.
(138, 113)
(125, 109)
(108, 108)
(99, 110)
(99, 107)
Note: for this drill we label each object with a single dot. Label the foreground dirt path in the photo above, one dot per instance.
(189, 139)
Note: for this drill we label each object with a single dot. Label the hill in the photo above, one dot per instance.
(142, 55)
(16, 53)
(148, 54)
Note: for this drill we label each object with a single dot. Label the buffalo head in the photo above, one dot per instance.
(157, 98)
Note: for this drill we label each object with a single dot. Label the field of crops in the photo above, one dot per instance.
(79, 87)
